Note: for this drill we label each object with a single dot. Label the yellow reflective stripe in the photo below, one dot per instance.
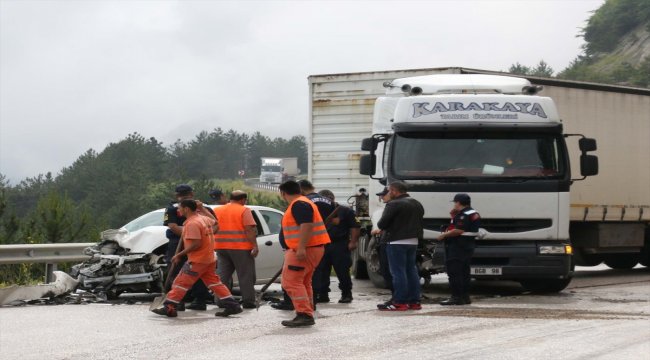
(220, 240)
(231, 232)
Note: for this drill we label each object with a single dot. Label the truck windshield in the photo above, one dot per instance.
(271, 168)
(482, 155)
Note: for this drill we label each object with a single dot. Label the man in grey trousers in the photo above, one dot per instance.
(236, 245)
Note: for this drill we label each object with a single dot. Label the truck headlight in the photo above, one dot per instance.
(556, 249)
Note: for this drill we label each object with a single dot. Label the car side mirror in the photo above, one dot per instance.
(369, 144)
(588, 165)
(367, 165)
(587, 144)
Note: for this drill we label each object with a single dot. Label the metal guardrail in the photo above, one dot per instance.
(268, 187)
(43, 253)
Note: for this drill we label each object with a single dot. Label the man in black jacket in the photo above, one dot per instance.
(402, 224)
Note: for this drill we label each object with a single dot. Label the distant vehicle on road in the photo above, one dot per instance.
(278, 170)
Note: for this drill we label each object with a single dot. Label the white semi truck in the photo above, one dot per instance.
(522, 158)
(277, 170)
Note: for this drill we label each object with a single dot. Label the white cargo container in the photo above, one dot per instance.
(609, 213)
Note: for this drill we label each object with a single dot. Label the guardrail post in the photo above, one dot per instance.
(49, 272)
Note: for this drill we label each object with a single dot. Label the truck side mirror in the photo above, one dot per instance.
(367, 164)
(369, 144)
(587, 144)
(589, 164)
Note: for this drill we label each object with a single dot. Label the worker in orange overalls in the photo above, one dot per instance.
(236, 245)
(198, 245)
(304, 235)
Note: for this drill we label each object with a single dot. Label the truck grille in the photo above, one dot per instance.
(497, 225)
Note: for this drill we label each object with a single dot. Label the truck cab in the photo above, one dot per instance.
(494, 138)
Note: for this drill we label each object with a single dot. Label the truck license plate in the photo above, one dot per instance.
(486, 271)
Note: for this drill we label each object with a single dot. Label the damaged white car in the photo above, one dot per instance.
(131, 259)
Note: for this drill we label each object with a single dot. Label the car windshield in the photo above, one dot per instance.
(482, 155)
(271, 168)
(154, 218)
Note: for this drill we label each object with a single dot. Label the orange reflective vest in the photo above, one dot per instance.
(232, 232)
(291, 229)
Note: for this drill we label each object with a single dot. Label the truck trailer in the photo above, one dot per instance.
(520, 146)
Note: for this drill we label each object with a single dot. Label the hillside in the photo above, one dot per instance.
(617, 48)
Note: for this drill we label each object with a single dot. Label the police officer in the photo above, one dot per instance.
(174, 221)
(344, 228)
(218, 197)
(459, 247)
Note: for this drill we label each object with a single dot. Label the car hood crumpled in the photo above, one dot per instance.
(143, 241)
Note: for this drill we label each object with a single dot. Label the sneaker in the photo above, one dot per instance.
(415, 306)
(321, 298)
(231, 310)
(195, 305)
(248, 305)
(282, 305)
(346, 298)
(392, 307)
(453, 301)
(168, 310)
(299, 321)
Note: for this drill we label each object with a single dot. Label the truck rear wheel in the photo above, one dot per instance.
(621, 262)
(545, 286)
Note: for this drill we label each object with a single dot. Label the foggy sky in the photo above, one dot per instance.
(76, 75)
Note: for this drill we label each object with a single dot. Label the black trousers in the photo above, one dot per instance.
(458, 254)
(199, 291)
(338, 256)
(384, 267)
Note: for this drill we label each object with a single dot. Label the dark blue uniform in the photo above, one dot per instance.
(337, 255)
(173, 216)
(459, 250)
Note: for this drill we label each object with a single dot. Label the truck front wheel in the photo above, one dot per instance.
(373, 264)
(545, 286)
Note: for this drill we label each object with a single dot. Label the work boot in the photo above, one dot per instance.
(248, 305)
(346, 298)
(197, 305)
(283, 305)
(321, 298)
(230, 310)
(180, 306)
(467, 300)
(167, 309)
(300, 320)
(454, 300)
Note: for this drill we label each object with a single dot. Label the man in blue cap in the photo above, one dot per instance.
(459, 247)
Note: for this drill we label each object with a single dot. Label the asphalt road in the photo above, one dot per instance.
(604, 314)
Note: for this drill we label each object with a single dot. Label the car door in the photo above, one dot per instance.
(271, 256)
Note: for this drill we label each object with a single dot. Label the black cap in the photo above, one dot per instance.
(215, 193)
(383, 192)
(183, 189)
(305, 184)
(462, 198)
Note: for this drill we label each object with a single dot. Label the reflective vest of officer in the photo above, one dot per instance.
(232, 232)
(291, 229)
